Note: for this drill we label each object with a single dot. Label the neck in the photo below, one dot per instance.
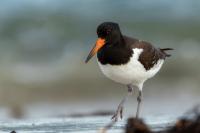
(115, 52)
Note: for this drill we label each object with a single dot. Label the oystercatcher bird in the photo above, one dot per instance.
(126, 60)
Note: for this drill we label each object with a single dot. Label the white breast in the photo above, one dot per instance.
(131, 73)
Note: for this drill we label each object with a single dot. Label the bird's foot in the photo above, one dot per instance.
(118, 113)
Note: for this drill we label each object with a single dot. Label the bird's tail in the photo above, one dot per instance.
(163, 50)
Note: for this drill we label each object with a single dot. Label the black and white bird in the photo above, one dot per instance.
(126, 60)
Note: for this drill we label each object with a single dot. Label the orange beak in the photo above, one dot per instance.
(99, 43)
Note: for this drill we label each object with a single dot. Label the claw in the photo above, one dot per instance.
(114, 117)
(121, 113)
(118, 113)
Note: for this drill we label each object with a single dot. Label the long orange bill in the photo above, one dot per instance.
(99, 43)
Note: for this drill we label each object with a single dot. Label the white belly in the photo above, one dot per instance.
(131, 73)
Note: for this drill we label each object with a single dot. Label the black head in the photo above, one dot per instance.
(108, 34)
(109, 31)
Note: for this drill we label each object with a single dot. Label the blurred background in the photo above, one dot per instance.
(43, 45)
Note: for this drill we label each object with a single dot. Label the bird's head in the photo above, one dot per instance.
(108, 34)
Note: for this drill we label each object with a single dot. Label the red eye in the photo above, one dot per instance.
(108, 31)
